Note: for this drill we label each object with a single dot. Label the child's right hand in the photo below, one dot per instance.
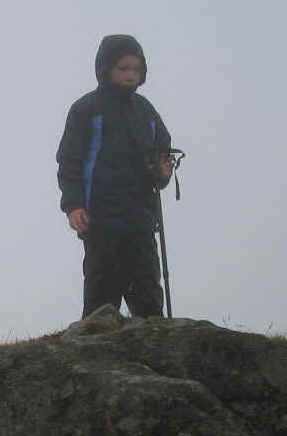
(79, 220)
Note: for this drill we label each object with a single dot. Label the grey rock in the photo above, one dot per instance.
(102, 321)
(109, 375)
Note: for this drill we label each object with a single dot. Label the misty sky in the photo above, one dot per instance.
(217, 74)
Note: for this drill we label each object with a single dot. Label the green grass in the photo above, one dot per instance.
(279, 339)
(48, 337)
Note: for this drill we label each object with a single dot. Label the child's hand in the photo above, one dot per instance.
(166, 164)
(79, 220)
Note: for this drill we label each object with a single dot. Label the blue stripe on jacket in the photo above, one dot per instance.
(94, 148)
(153, 126)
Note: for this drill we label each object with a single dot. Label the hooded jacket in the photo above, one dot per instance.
(110, 137)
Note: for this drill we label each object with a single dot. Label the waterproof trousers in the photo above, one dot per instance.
(122, 264)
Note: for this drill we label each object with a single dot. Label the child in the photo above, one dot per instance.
(113, 153)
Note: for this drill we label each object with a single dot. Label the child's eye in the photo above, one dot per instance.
(126, 68)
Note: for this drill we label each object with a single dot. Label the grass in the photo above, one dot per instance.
(48, 337)
(278, 338)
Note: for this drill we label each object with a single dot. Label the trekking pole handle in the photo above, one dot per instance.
(173, 152)
(176, 160)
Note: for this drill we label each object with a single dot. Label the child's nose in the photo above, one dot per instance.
(131, 74)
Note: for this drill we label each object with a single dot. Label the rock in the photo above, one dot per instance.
(102, 321)
(110, 375)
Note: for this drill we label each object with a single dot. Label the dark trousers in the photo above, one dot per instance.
(119, 264)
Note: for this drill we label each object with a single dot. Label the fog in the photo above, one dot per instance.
(217, 75)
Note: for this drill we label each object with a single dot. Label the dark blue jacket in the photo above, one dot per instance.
(111, 136)
(103, 156)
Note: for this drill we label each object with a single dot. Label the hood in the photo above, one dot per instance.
(111, 49)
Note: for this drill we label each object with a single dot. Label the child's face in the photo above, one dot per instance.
(127, 71)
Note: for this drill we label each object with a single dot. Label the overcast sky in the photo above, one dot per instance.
(217, 74)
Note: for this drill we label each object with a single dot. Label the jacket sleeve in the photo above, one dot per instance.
(70, 156)
(163, 141)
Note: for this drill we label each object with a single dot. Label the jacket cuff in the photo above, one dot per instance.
(70, 209)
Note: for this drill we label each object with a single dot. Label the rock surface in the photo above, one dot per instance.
(115, 376)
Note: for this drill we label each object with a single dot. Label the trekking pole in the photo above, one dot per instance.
(164, 256)
(165, 272)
